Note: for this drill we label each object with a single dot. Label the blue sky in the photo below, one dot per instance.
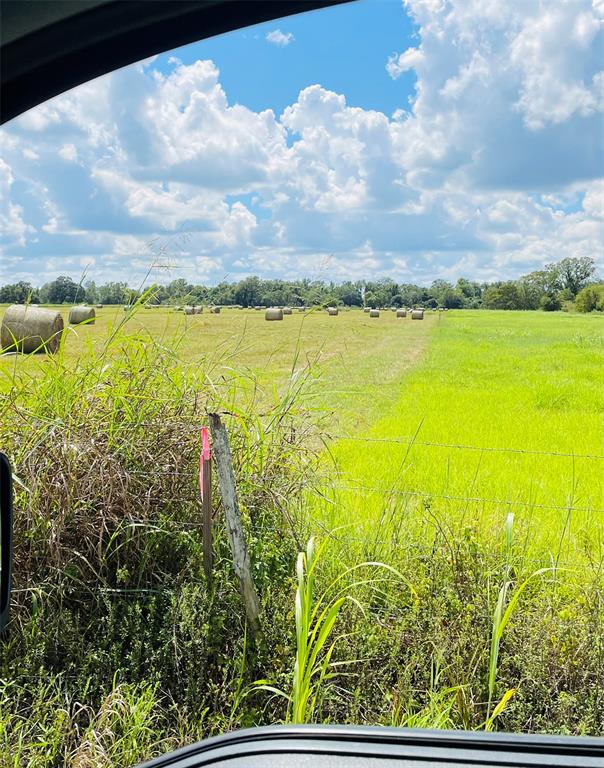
(416, 139)
(342, 48)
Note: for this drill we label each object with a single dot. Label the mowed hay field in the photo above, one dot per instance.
(243, 338)
(462, 453)
(351, 353)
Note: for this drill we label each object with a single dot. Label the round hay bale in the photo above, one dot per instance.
(367, 309)
(287, 310)
(273, 313)
(99, 306)
(374, 313)
(28, 328)
(177, 308)
(401, 313)
(417, 314)
(81, 314)
(198, 310)
(215, 310)
(301, 309)
(332, 311)
(189, 310)
(258, 308)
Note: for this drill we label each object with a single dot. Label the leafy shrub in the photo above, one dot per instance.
(591, 298)
(550, 303)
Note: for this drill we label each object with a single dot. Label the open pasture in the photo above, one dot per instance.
(475, 413)
(503, 415)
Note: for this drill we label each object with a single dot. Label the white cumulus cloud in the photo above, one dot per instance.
(409, 59)
(493, 169)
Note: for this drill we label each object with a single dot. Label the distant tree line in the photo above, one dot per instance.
(567, 284)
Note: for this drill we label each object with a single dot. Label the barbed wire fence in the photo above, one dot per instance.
(389, 612)
(331, 491)
(334, 486)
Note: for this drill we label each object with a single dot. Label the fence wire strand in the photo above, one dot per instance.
(471, 499)
(394, 440)
(487, 449)
(386, 490)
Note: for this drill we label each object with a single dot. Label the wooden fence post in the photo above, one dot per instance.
(205, 491)
(228, 492)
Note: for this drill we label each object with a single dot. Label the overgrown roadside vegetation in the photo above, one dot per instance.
(114, 628)
(120, 650)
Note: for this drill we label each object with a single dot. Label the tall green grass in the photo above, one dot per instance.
(110, 597)
(423, 490)
(316, 616)
(491, 380)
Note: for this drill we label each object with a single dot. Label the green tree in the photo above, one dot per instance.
(537, 284)
(330, 301)
(439, 289)
(451, 299)
(248, 292)
(349, 294)
(412, 295)
(113, 293)
(223, 293)
(575, 273)
(469, 289)
(18, 293)
(62, 291)
(550, 302)
(179, 288)
(382, 292)
(503, 296)
(91, 293)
